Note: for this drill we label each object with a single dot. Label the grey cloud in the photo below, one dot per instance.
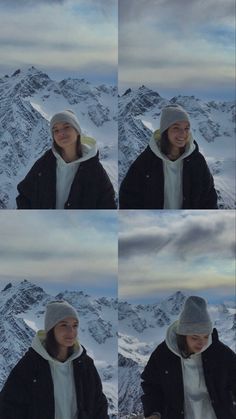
(193, 238)
(200, 239)
(183, 11)
(35, 255)
(24, 3)
(142, 244)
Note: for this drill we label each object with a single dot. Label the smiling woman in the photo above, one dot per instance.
(69, 175)
(55, 378)
(171, 173)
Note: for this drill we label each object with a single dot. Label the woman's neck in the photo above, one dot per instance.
(69, 155)
(174, 153)
(63, 354)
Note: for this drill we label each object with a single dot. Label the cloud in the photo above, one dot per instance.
(185, 12)
(191, 237)
(26, 3)
(142, 242)
(171, 250)
(185, 46)
(58, 245)
(67, 36)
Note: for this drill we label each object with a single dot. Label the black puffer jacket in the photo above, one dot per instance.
(143, 185)
(90, 189)
(163, 382)
(28, 392)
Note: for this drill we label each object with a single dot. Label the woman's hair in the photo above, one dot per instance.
(182, 345)
(165, 145)
(78, 147)
(52, 346)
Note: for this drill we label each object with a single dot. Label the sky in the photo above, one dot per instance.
(60, 250)
(178, 47)
(64, 38)
(164, 252)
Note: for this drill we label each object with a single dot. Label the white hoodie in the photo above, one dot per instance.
(65, 172)
(173, 172)
(197, 404)
(63, 379)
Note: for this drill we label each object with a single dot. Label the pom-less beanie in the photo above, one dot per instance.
(194, 319)
(65, 116)
(56, 311)
(171, 114)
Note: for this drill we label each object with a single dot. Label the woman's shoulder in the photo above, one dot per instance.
(29, 359)
(146, 159)
(196, 154)
(46, 161)
(219, 347)
(47, 157)
(162, 351)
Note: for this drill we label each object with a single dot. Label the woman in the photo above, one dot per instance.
(171, 173)
(191, 375)
(68, 176)
(55, 379)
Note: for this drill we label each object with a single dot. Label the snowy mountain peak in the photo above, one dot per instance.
(19, 298)
(127, 92)
(174, 303)
(7, 287)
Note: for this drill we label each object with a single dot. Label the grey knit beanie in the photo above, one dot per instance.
(171, 114)
(56, 311)
(65, 116)
(194, 319)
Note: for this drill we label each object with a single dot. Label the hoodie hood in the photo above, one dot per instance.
(38, 344)
(171, 341)
(89, 150)
(154, 144)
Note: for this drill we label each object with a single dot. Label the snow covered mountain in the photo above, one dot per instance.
(28, 99)
(212, 124)
(143, 327)
(22, 308)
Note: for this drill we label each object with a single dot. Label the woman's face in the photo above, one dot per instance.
(178, 134)
(64, 135)
(195, 343)
(65, 332)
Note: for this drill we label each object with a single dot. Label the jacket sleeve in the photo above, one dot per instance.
(23, 199)
(131, 188)
(92, 402)
(232, 377)
(152, 398)
(27, 189)
(208, 196)
(106, 199)
(101, 407)
(14, 398)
